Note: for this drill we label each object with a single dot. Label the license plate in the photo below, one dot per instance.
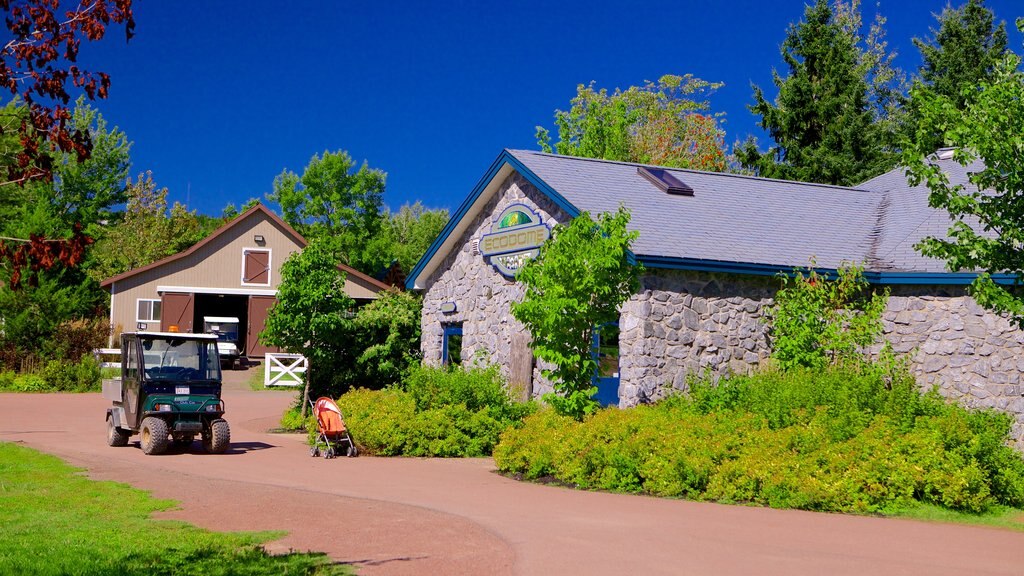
(181, 390)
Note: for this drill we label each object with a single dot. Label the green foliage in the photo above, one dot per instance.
(56, 376)
(334, 200)
(404, 237)
(844, 440)
(54, 520)
(313, 313)
(823, 122)
(816, 321)
(82, 193)
(386, 337)
(146, 232)
(964, 52)
(658, 123)
(987, 232)
(577, 283)
(442, 412)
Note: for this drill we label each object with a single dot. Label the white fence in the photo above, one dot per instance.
(285, 370)
(101, 353)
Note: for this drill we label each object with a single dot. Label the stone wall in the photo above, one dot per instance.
(481, 294)
(682, 323)
(971, 354)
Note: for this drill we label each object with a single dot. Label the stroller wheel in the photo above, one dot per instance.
(329, 452)
(352, 451)
(314, 451)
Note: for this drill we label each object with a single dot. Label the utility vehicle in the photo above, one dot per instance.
(168, 393)
(225, 328)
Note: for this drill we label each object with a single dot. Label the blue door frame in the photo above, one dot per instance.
(607, 386)
(450, 331)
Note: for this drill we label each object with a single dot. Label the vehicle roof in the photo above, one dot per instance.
(185, 335)
(219, 319)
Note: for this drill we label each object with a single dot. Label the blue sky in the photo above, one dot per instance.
(219, 97)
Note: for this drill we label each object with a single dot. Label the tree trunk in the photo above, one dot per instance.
(305, 392)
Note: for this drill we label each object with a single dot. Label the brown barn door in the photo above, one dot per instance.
(257, 267)
(259, 306)
(177, 311)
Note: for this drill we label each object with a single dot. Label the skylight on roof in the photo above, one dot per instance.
(665, 181)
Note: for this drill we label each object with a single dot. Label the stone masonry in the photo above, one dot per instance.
(683, 323)
(482, 295)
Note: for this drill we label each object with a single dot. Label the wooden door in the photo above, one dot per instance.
(256, 267)
(177, 310)
(259, 307)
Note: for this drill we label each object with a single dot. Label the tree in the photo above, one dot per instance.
(404, 236)
(987, 234)
(657, 123)
(962, 53)
(816, 321)
(146, 232)
(386, 339)
(36, 64)
(332, 200)
(575, 285)
(822, 122)
(313, 313)
(72, 206)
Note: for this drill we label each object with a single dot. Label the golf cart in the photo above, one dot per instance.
(226, 330)
(168, 393)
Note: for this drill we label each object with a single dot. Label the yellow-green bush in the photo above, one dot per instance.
(762, 440)
(442, 412)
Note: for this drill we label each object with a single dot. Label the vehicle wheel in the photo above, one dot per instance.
(352, 451)
(314, 451)
(154, 435)
(184, 441)
(329, 452)
(218, 437)
(116, 436)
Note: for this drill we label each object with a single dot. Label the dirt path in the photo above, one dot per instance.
(423, 516)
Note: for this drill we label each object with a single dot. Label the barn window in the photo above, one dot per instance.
(147, 310)
(255, 267)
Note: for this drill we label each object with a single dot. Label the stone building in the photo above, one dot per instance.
(712, 246)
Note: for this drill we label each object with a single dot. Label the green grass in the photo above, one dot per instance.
(53, 520)
(999, 517)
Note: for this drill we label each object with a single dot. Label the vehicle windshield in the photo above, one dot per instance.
(180, 359)
(225, 331)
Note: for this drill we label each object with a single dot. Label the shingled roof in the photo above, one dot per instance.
(738, 223)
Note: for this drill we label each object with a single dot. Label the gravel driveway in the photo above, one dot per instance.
(434, 516)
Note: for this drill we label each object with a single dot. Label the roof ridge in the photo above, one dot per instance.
(692, 171)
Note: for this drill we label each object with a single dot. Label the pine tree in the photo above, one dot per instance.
(823, 121)
(963, 52)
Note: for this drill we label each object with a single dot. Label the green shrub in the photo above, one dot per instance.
(29, 383)
(7, 378)
(81, 376)
(441, 412)
(844, 440)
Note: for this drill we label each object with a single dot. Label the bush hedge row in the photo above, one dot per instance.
(853, 439)
(438, 412)
(55, 376)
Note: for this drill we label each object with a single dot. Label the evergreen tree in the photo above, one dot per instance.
(962, 53)
(822, 122)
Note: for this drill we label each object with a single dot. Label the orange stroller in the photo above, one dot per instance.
(331, 433)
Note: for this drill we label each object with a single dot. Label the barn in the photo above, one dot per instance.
(233, 272)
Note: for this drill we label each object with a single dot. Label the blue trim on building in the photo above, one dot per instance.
(883, 278)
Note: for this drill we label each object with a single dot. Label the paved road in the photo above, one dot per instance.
(423, 516)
